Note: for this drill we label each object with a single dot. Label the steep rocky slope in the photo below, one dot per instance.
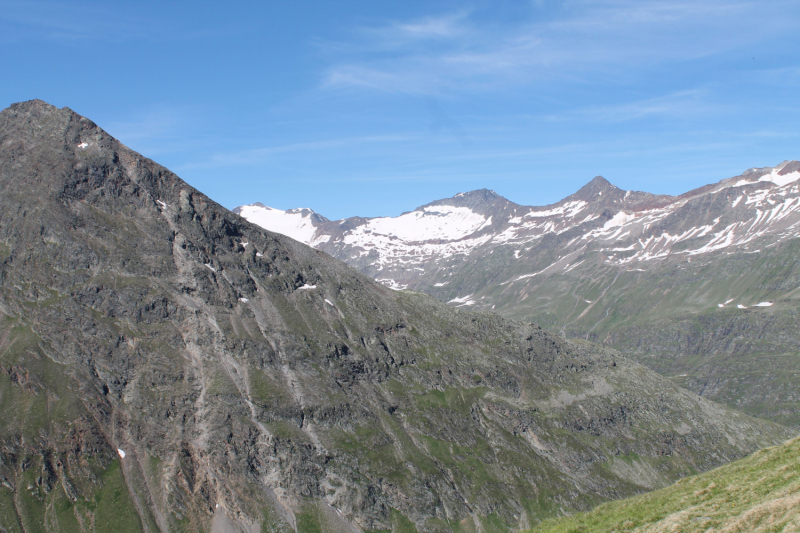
(169, 366)
(701, 287)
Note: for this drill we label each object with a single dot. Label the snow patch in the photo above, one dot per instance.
(329, 302)
(306, 287)
(740, 306)
(763, 304)
(464, 300)
(244, 300)
(441, 284)
(392, 284)
(432, 222)
(779, 180)
(619, 220)
(121, 453)
(570, 268)
(569, 209)
(294, 223)
(82, 146)
(211, 268)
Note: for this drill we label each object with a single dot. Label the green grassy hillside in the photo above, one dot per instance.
(760, 493)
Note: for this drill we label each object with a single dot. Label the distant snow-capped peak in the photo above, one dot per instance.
(423, 247)
(299, 224)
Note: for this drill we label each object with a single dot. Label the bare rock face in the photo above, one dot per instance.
(169, 366)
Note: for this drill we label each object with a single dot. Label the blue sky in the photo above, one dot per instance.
(373, 108)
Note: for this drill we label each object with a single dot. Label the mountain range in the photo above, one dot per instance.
(170, 366)
(701, 287)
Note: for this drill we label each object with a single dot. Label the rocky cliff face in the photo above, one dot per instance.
(702, 287)
(169, 366)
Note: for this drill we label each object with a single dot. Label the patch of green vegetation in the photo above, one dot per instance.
(8, 515)
(65, 514)
(437, 524)
(492, 523)
(31, 502)
(456, 399)
(760, 493)
(273, 522)
(377, 449)
(108, 509)
(401, 524)
(5, 252)
(287, 430)
(113, 509)
(309, 520)
(264, 389)
(35, 397)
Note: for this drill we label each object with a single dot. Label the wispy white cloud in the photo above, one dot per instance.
(582, 37)
(442, 27)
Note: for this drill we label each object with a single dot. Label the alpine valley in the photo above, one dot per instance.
(170, 366)
(702, 287)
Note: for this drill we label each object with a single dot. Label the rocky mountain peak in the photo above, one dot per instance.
(483, 201)
(596, 188)
(34, 108)
(304, 211)
(35, 117)
(787, 167)
(485, 194)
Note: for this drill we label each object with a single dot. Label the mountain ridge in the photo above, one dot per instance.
(630, 269)
(169, 366)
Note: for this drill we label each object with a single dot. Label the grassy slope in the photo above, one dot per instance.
(760, 493)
